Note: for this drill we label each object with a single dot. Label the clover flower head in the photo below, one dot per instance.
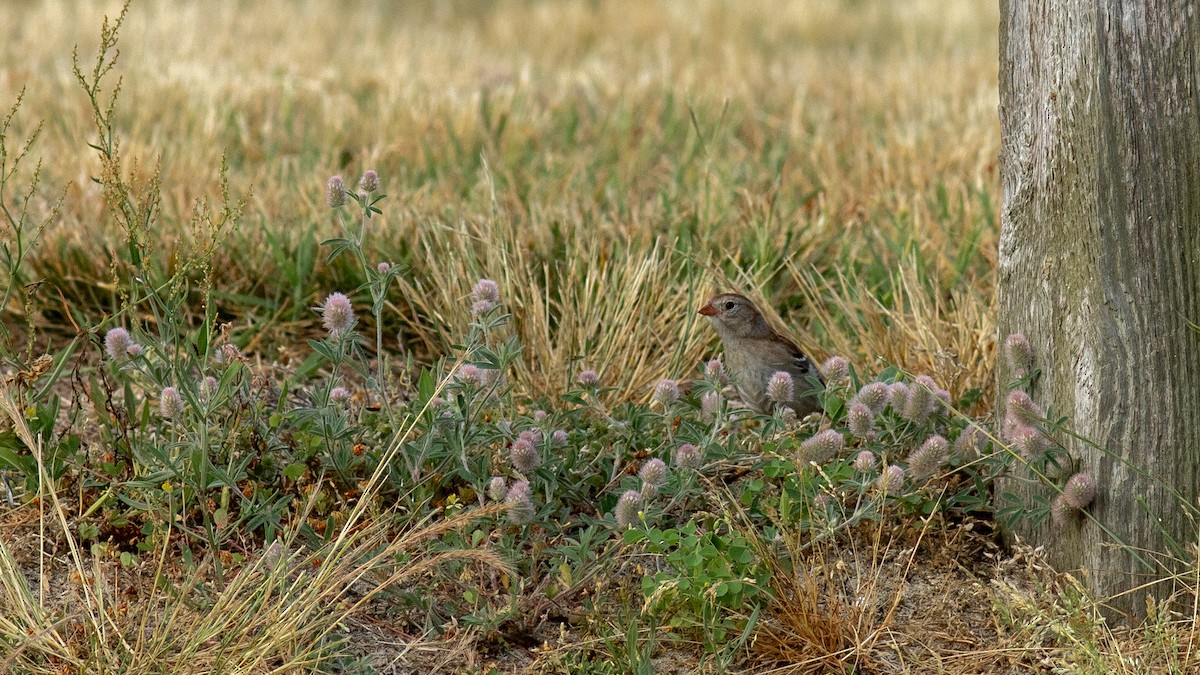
(1019, 354)
(525, 457)
(836, 369)
(687, 456)
(339, 395)
(486, 289)
(1080, 490)
(714, 370)
(589, 378)
(859, 420)
(865, 461)
(891, 479)
(369, 181)
(335, 192)
(874, 395)
(116, 343)
(666, 393)
(628, 508)
(520, 503)
(337, 314)
(170, 403)
(497, 488)
(559, 438)
(780, 388)
(822, 445)
(710, 406)
(653, 475)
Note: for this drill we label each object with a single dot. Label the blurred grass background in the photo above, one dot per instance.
(608, 163)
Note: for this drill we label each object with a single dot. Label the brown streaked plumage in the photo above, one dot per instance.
(754, 352)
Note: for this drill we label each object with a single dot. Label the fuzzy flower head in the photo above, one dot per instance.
(714, 371)
(836, 369)
(898, 396)
(859, 420)
(170, 403)
(525, 457)
(653, 475)
(927, 459)
(208, 388)
(369, 181)
(539, 415)
(1062, 513)
(780, 388)
(337, 314)
(335, 192)
(865, 461)
(520, 503)
(134, 350)
(534, 436)
(497, 488)
(559, 438)
(627, 510)
(1080, 490)
(383, 267)
(589, 379)
(486, 289)
(891, 479)
(1020, 409)
(874, 395)
(666, 393)
(822, 446)
(687, 456)
(1027, 441)
(710, 406)
(916, 405)
(970, 442)
(1019, 354)
(339, 395)
(116, 343)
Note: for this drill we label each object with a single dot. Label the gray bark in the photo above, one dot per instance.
(1100, 267)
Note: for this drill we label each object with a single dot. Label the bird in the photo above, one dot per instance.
(754, 352)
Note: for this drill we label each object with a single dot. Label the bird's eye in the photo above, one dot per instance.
(728, 304)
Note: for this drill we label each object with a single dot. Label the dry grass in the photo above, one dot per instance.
(588, 156)
(609, 164)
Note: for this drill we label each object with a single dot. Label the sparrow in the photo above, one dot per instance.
(754, 352)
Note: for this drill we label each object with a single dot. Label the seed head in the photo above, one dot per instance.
(486, 289)
(898, 396)
(627, 509)
(208, 388)
(780, 387)
(335, 192)
(859, 420)
(687, 456)
(865, 461)
(589, 378)
(497, 488)
(1019, 354)
(170, 403)
(714, 370)
(927, 459)
(822, 446)
(337, 314)
(525, 457)
(519, 502)
(116, 343)
(1027, 441)
(1021, 409)
(653, 475)
(666, 393)
(970, 442)
(836, 369)
(1080, 490)
(1062, 513)
(710, 406)
(891, 479)
(369, 181)
(874, 395)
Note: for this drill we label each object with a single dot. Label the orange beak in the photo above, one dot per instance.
(708, 310)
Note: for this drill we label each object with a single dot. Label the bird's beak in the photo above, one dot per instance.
(708, 310)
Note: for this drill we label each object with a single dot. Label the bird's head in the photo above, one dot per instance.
(735, 316)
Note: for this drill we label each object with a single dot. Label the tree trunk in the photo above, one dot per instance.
(1100, 269)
